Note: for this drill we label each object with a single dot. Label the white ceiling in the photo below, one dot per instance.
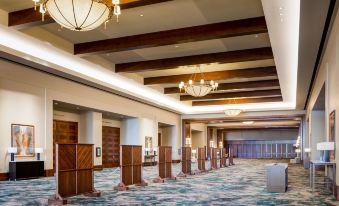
(170, 15)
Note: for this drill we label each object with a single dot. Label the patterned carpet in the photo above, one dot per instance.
(241, 184)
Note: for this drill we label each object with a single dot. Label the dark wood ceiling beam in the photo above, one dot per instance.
(177, 36)
(221, 57)
(237, 101)
(218, 75)
(30, 17)
(229, 95)
(233, 86)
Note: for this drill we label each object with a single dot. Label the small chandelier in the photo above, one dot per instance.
(198, 90)
(79, 15)
(232, 112)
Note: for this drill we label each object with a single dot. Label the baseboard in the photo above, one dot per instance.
(49, 173)
(4, 176)
(176, 161)
(336, 192)
(98, 167)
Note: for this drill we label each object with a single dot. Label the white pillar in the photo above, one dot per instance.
(91, 132)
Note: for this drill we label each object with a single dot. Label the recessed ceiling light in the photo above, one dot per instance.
(248, 122)
(141, 15)
(176, 46)
(78, 107)
(281, 8)
(256, 36)
(56, 103)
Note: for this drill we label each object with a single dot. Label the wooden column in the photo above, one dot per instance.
(130, 167)
(186, 154)
(165, 164)
(186, 131)
(74, 172)
(209, 138)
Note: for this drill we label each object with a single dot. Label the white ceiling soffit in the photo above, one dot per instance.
(283, 36)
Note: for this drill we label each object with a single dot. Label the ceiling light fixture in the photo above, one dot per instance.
(80, 15)
(232, 112)
(198, 90)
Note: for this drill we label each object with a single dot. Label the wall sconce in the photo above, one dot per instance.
(211, 143)
(38, 151)
(12, 151)
(307, 150)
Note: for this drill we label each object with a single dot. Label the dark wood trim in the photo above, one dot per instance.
(331, 14)
(29, 17)
(233, 86)
(176, 161)
(98, 167)
(221, 58)
(176, 36)
(237, 101)
(135, 4)
(260, 93)
(4, 176)
(218, 75)
(49, 173)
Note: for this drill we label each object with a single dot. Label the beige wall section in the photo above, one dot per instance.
(199, 135)
(328, 73)
(26, 97)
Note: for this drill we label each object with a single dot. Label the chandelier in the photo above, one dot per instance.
(79, 15)
(198, 90)
(232, 112)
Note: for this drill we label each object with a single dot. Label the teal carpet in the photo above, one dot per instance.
(241, 184)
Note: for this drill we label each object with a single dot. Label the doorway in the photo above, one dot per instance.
(64, 132)
(110, 147)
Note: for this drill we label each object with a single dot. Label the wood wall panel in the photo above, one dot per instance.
(165, 162)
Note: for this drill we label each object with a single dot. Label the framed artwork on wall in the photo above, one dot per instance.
(23, 139)
(332, 133)
(98, 151)
(148, 142)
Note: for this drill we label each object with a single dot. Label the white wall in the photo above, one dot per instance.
(328, 74)
(317, 132)
(26, 97)
(111, 123)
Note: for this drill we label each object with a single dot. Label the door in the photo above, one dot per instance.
(159, 139)
(64, 132)
(110, 147)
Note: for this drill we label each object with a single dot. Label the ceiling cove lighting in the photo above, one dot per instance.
(16, 43)
(202, 88)
(79, 15)
(248, 122)
(232, 112)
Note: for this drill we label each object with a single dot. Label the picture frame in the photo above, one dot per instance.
(148, 142)
(23, 138)
(98, 151)
(332, 133)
